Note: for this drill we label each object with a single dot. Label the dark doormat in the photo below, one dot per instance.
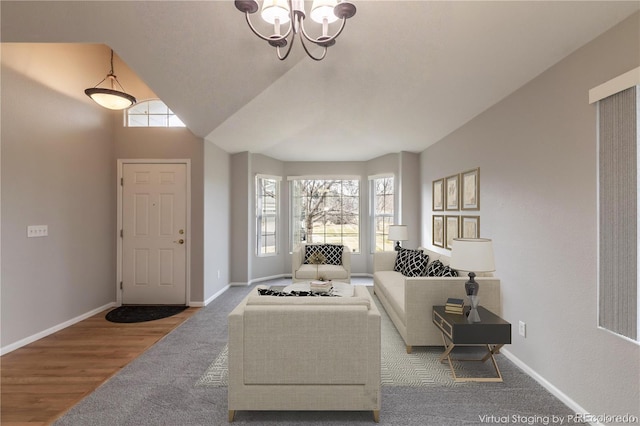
(142, 313)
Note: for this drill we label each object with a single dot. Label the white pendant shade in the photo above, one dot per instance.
(323, 9)
(111, 99)
(273, 10)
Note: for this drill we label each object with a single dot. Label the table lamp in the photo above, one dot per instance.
(398, 233)
(473, 255)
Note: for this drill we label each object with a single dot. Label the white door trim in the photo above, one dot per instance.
(121, 163)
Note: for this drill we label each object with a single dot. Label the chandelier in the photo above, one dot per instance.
(280, 12)
(110, 97)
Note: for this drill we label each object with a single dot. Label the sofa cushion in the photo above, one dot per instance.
(331, 252)
(411, 263)
(393, 290)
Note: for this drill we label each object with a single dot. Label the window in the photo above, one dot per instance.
(382, 199)
(618, 139)
(151, 113)
(267, 195)
(326, 211)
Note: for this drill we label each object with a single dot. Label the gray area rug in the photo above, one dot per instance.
(398, 368)
(159, 388)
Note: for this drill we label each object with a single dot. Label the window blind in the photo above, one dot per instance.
(618, 212)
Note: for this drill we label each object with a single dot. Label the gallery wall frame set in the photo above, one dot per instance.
(447, 227)
(454, 193)
(457, 192)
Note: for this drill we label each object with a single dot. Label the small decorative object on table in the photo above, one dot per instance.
(320, 286)
(317, 259)
(454, 306)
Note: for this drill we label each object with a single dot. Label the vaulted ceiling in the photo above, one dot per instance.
(402, 75)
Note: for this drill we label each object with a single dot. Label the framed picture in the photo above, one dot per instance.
(470, 226)
(451, 198)
(438, 194)
(438, 231)
(452, 229)
(470, 189)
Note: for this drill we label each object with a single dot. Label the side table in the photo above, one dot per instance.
(491, 332)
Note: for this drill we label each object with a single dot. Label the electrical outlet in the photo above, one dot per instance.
(34, 231)
(522, 329)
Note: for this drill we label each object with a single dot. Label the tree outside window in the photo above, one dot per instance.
(326, 211)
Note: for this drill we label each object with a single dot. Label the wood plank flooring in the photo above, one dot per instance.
(41, 381)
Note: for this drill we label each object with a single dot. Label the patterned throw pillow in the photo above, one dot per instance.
(331, 252)
(435, 268)
(278, 293)
(447, 271)
(411, 263)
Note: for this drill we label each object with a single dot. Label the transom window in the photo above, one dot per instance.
(326, 211)
(382, 199)
(151, 113)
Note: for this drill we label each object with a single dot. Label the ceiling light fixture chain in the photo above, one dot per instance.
(279, 12)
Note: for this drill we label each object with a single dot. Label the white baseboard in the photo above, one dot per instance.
(574, 406)
(209, 300)
(20, 343)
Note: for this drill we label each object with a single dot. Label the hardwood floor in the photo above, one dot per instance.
(44, 379)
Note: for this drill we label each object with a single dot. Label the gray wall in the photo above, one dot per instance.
(217, 221)
(58, 169)
(537, 156)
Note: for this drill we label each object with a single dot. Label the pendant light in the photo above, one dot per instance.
(110, 97)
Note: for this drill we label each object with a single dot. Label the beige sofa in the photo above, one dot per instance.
(301, 271)
(409, 301)
(305, 353)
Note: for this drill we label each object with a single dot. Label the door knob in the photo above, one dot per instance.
(180, 241)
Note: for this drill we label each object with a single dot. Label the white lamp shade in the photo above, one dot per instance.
(275, 9)
(398, 233)
(472, 255)
(321, 9)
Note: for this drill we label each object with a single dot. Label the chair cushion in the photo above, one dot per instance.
(328, 272)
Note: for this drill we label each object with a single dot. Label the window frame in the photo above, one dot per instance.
(260, 215)
(295, 213)
(373, 208)
(168, 116)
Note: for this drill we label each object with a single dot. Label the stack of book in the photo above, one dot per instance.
(454, 306)
(320, 286)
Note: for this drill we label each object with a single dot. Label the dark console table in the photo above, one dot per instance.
(491, 332)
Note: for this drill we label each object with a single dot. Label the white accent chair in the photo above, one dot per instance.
(305, 354)
(301, 271)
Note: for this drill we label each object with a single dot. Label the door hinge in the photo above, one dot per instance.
(121, 181)
(120, 285)
(121, 233)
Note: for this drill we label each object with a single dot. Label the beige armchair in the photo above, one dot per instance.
(301, 271)
(331, 364)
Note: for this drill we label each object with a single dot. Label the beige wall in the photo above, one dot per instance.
(58, 169)
(537, 156)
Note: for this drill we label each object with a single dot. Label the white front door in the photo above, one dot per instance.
(154, 206)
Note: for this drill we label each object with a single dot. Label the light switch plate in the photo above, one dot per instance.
(34, 231)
